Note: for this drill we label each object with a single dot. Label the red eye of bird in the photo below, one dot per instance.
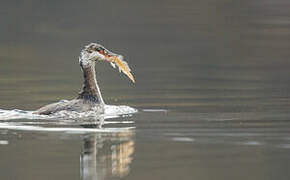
(102, 51)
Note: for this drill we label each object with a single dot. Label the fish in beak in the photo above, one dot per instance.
(117, 60)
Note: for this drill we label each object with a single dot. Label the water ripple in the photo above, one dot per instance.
(66, 121)
(111, 111)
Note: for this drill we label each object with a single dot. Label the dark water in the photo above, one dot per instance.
(220, 69)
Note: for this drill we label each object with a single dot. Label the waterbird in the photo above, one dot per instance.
(90, 97)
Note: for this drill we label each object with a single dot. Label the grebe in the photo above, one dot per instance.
(90, 97)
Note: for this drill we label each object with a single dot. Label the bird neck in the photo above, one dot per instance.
(90, 90)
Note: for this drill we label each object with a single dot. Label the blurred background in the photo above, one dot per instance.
(184, 54)
(218, 69)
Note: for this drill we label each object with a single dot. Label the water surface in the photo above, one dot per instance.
(212, 89)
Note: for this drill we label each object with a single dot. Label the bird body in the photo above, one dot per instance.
(77, 105)
(90, 97)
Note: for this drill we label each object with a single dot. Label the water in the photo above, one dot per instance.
(212, 90)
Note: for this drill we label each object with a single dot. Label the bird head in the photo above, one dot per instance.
(95, 52)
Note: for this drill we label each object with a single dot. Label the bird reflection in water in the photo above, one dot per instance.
(106, 155)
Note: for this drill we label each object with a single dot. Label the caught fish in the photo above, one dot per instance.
(122, 65)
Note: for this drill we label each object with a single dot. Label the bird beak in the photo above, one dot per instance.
(107, 54)
(117, 60)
